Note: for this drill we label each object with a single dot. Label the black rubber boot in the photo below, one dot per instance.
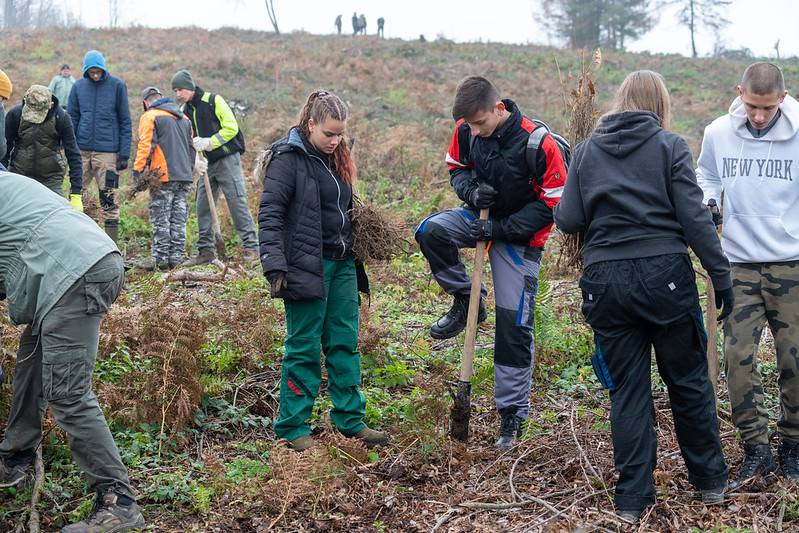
(758, 461)
(454, 321)
(788, 456)
(510, 428)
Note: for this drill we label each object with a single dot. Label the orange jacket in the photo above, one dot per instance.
(165, 142)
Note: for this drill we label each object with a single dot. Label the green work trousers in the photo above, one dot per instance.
(54, 367)
(329, 325)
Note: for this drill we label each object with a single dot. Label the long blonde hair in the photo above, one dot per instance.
(644, 90)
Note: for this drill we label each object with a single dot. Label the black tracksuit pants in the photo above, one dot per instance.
(634, 305)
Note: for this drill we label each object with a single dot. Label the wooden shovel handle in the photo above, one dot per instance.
(467, 364)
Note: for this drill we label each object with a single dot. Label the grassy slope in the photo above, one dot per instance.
(222, 469)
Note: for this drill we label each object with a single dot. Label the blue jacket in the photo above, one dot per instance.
(99, 110)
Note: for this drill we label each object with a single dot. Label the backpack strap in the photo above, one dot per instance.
(534, 142)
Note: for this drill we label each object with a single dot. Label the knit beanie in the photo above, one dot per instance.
(5, 85)
(183, 80)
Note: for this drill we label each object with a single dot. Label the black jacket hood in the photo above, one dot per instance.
(622, 133)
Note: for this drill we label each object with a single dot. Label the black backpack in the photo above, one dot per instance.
(537, 137)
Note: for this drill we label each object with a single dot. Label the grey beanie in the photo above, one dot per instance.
(183, 80)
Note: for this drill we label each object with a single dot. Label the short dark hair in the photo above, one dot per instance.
(763, 78)
(474, 94)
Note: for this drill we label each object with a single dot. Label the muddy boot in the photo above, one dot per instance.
(205, 256)
(713, 496)
(300, 444)
(758, 461)
(631, 517)
(151, 264)
(454, 321)
(510, 428)
(371, 437)
(250, 255)
(112, 229)
(109, 513)
(788, 456)
(14, 476)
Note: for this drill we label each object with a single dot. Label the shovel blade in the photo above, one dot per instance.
(461, 411)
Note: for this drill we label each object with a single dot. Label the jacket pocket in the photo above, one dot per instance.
(66, 373)
(101, 286)
(672, 292)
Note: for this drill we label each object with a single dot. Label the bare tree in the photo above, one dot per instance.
(113, 13)
(700, 13)
(30, 14)
(270, 11)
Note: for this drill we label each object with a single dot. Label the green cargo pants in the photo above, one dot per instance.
(764, 292)
(55, 367)
(330, 326)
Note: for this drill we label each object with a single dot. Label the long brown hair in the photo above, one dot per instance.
(644, 90)
(320, 106)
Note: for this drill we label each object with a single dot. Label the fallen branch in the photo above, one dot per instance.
(188, 275)
(33, 518)
(446, 517)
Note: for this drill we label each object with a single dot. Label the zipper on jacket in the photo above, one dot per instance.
(338, 206)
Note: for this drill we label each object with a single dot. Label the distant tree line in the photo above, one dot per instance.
(34, 14)
(614, 23)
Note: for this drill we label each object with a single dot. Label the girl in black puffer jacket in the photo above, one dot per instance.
(306, 253)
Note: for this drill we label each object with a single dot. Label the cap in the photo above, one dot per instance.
(37, 100)
(64, 66)
(149, 91)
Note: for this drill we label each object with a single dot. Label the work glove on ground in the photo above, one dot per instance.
(200, 164)
(277, 282)
(202, 144)
(485, 230)
(482, 196)
(76, 202)
(714, 212)
(122, 164)
(725, 300)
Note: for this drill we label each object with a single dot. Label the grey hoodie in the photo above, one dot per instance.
(761, 196)
(631, 189)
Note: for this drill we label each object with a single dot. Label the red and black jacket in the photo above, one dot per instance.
(526, 197)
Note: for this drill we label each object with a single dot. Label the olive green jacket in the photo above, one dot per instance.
(45, 246)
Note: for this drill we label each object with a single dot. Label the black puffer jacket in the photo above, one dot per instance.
(290, 221)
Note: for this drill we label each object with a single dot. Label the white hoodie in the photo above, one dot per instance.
(760, 180)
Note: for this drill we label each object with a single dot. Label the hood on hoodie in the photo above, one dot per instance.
(784, 129)
(620, 134)
(94, 59)
(166, 104)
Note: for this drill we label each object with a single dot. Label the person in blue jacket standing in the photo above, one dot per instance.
(98, 107)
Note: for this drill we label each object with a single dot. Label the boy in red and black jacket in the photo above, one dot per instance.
(488, 163)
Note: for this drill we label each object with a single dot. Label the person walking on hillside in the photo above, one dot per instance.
(306, 253)
(338, 24)
(218, 136)
(61, 85)
(632, 192)
(165, 146)
(749, 155)
(5, 93)
(380, 23)
(98, 107)
(362, 24)
(60, 274)
(489, 169)
(356, 24)
(36, 132)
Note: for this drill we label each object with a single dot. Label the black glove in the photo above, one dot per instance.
(714, 212)
(482, 196)
(725, 300)
(484, 230)
(277, 282)
(122, 164)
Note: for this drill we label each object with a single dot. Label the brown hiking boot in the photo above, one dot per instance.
(151, 264)
(300, 444)
(205, 256)
(250, 255)
(371, 437)
(108, 516)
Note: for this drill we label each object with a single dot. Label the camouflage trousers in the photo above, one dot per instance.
(764, 293)
(169, 212)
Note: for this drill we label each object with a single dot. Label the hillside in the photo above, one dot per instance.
(188, 374)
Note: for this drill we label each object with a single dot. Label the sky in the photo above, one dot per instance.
(754, 24)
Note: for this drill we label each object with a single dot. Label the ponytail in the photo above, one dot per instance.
(320, 106)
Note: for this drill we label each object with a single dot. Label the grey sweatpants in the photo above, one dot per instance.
(515, 271)
(225, 174)
(55, 367)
